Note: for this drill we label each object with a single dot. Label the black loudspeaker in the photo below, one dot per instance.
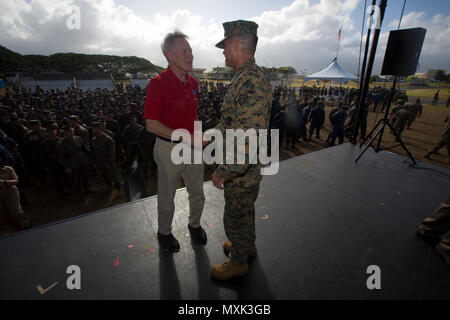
(403, 52)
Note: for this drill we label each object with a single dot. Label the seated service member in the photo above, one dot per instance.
(171, 103)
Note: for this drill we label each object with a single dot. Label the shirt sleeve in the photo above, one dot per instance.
(153, 100)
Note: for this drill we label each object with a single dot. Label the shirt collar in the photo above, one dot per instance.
(247, 63)
(175, 78)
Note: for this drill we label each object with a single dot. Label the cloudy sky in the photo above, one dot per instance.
(299, 33)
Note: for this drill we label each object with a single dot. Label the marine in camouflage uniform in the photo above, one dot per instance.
(292, 120)
(10, 196)
(415, 110)
(246, 105)
(130, 139)
(104, 152)
(438, 224)
(74, 157)
(109, 133)
(49, 157)
(397, 107)
(32, 141)
(113, 126)
(400, 120)
(444, 140)
(78, 129)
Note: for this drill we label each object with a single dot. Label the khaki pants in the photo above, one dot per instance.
(10, 201)
(169, 175)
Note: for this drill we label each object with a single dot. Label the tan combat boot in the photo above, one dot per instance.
(228, 270)
(227, 248)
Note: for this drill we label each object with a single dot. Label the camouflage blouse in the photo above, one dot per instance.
(246, 105)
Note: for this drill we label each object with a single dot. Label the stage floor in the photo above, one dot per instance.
(327, 220)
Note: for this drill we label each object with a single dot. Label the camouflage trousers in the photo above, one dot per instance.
(443, 141)
(411, 119)
(399, 127)
(239, 220)
(109, 174)
(438, 224)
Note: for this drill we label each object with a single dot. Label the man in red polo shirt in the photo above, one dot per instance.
(171, 103)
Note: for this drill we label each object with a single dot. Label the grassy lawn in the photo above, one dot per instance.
(429, 93)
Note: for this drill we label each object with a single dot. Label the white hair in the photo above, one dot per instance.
(167, 43)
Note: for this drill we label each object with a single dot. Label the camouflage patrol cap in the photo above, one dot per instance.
(234, 28)
(73, 117)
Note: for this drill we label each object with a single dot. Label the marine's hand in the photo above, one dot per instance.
(217, 181)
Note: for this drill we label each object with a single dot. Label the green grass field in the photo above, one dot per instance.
(429, 93)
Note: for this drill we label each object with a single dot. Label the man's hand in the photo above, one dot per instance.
(190, 142)
(204, 141)
(217, 181)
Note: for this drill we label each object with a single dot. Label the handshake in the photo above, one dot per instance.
(193, 140)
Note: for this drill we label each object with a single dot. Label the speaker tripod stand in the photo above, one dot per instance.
(379, 128)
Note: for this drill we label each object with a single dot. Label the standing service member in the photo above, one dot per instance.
(246, 106)
(171, 103)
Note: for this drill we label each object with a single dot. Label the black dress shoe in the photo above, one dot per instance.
(198, 234)
(169, 243)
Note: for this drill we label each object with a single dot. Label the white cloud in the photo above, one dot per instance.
(302, 35)
(40, 27)
(305, 35)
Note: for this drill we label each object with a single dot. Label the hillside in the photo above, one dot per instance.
(12, 62)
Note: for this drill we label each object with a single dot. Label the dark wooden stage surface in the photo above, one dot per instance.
(327, 220)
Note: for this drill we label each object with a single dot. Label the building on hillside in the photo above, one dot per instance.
(57, 80)
(221, 73)
(198, 73)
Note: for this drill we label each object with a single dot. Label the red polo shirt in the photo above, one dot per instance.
(171, 101)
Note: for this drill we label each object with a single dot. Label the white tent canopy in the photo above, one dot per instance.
(333, 72)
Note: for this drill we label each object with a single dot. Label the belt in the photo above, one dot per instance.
(168, 140)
